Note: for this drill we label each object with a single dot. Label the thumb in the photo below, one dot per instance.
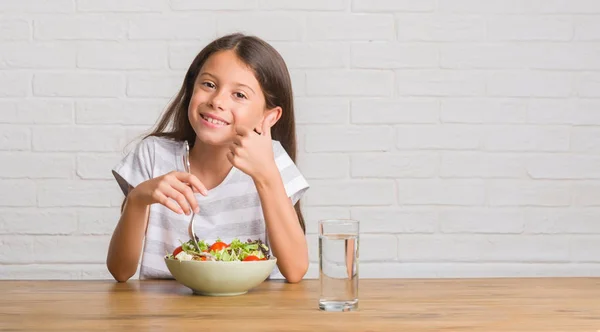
(266, 125)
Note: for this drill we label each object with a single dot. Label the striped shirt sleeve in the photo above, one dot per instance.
(136, 167)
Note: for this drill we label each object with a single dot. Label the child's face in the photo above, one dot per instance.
(225, 85)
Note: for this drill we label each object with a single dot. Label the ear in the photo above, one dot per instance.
(272, 116)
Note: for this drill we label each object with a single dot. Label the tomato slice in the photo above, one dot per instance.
(177, 251)
(251, 258)
(218, 246)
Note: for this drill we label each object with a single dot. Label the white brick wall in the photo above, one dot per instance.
(463, 134)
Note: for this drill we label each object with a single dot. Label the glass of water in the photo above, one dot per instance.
(338, 264)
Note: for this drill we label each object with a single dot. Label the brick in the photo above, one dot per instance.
(181, 54)
(350, 192)
(573, 56)
(187, 5)
(70, 193)
(488, 7)
(450, 136)
(350, 27)
(587, 112)
(321, 111)
(38, 55)
(303, 5)
(314, 54)
(76, 84)
(387, 6)
(100, 272)
(482, 248)
(36, 111)
(312, 241)
(14, 84)
(588, 85)
(571, 7)
(585, 248)
(17, 193)
(586, 193)
(483, 110)
(15, 138)
(481, 165)
(393, 55)
(348, 139)
(155, 85)
(16, 249)
(85, 139)
(562, 221)
(350, 83)
(436, 82)
(173, 27)
(125, 112)
(298, 82)
(80, 27)
(60, 249)
(396, 165)
(526, 138)
(37, 6)
(559, 166)
(121, 6)
(373, 248)
(587, 28)
(486, 56)
(132, 55)
(529, 28)
(441, 192)
(97, 166)
(551, 111)
(324, 165)
(36, 165)
(290, 26)
(395, 220)
(528, 193)
(436, 27)
(481, 220)
(97, 221)
(585, 139)
(15, 29)
(387, 111)
(37, 221)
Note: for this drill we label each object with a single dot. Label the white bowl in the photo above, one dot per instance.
(218, 278)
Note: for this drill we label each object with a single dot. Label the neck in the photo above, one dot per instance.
(209, 163)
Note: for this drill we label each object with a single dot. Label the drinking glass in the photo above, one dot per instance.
(338, 264)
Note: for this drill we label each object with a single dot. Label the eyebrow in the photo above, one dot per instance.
(236, 83)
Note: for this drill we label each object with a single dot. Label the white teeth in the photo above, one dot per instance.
(214, 121)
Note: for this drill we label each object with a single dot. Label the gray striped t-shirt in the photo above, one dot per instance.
(230, 210)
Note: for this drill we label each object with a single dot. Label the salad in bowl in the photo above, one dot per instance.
(220, 251)
(220, 268)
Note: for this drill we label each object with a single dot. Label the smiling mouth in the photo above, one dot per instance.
(213, 120)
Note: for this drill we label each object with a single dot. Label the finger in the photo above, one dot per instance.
(266, 126)
(237, 141)
(164, 200)
(177, 197)
(189, 195)
(231, 157)
(239, 130)
(193, 180)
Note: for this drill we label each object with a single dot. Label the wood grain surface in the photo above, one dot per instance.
(530, 304)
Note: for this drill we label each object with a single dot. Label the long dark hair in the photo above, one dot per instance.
(271, 73)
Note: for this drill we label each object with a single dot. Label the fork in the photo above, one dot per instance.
(186, 165)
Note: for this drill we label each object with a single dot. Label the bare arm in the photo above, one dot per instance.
(126, 243)
(283, 228)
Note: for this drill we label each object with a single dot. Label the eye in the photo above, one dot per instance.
(240, 95)
(210, 85)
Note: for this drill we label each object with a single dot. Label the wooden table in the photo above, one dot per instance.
(546, 304)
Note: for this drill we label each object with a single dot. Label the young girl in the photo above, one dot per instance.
(235, 109)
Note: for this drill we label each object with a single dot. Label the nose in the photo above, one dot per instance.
(217, 100)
